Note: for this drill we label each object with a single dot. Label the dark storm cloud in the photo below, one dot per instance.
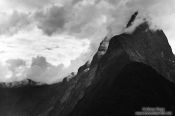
(75, 1)
(73, 17)
(83, 15)
(51, 20)
(78, 16)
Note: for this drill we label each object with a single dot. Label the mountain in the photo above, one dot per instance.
(136, 72)
(128, 72)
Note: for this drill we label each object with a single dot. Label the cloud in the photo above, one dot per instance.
(31, 3)
(19, 56)
(51, 20)
(14, 68)
(83, 15)
(15, 63)
(12, 23)
(39, 70)
(159, 14)
(24, 5)
(42, 71)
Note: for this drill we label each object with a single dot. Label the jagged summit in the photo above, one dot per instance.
(150, 47)
(137, 70)
(132, 19)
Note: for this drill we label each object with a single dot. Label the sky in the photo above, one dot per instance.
(46, 40)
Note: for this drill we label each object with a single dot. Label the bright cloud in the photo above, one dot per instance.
(58, 50)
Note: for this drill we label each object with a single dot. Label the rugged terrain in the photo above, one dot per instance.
(136, 70)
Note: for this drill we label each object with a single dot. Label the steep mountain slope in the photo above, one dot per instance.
(29, 100)
(136, 71)
(150, 47)
(135, 87)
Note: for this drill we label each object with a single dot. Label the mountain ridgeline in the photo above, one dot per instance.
(129, 72)
(137, 71)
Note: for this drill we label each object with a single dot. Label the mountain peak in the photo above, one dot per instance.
(137, 70)
(150, 47)
(128, 71)
(133, 17)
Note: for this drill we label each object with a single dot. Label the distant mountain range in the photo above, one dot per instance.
(129, 72)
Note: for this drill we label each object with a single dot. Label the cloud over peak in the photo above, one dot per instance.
(45, 40)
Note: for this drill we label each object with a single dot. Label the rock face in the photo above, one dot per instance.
(136, 86)
(149, 47)
(137, 71)
(29, 100)
(127, 73)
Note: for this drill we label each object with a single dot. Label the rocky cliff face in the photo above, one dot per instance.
(135, 68)
(127, 73)
(151, 48)
(137, 71)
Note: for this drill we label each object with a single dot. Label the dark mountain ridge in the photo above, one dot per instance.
(149, 47)
(130, 76)
(16, 84)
